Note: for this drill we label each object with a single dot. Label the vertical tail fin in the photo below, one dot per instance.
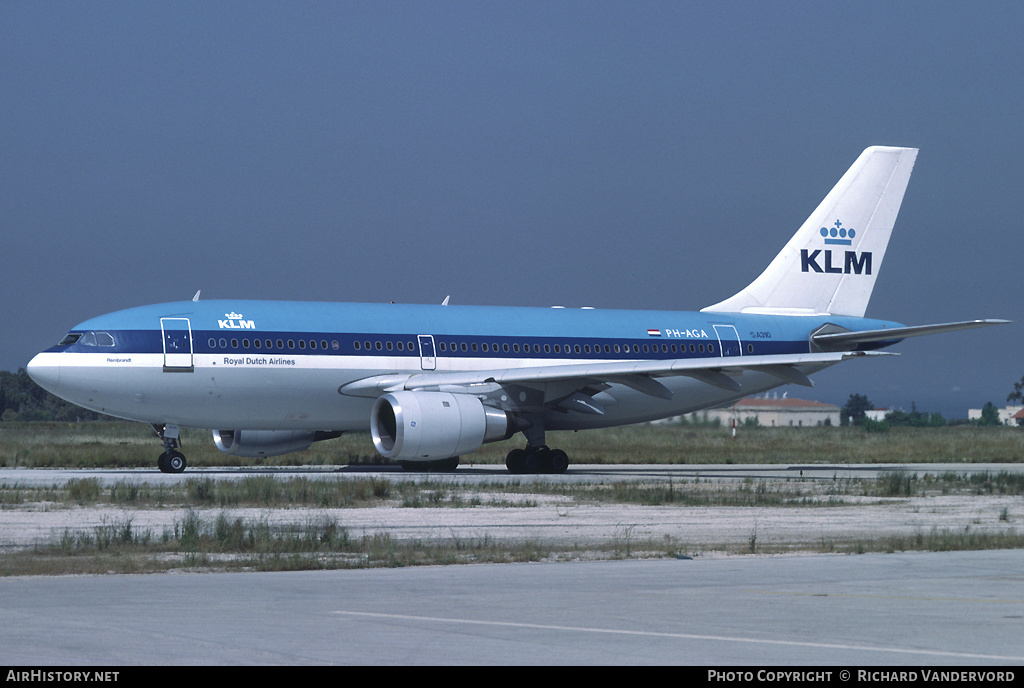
(830, 264)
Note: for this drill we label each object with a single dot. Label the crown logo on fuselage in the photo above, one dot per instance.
(838, 235)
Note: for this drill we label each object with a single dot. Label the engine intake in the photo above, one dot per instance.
(426, 426)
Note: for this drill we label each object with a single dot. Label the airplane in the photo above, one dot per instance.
(435, 382)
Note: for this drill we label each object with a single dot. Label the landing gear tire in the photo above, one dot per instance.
(558, 461)
(171, 462)
(535, 461)
(515, 461)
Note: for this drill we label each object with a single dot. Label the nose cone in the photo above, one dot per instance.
(44, 369)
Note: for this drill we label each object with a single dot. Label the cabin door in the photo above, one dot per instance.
(728, 340)
(428, 358)
(177, 341)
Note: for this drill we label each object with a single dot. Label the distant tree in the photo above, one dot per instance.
(21, 399)
(1018, 392)
(915, 418)
(989, 414)
(856, 408)
(898, 417)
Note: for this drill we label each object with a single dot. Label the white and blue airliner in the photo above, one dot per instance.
(435, 382)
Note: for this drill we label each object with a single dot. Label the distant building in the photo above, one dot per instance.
(773, 411)
(1008, 415)
(877, 414)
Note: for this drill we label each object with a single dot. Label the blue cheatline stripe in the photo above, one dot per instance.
(445, 346)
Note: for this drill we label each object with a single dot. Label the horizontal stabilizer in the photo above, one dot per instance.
(845, 339)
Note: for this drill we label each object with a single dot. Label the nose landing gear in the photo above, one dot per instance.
(172, 460)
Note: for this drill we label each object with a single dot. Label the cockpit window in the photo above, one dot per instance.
(96, 339)
(70, 338)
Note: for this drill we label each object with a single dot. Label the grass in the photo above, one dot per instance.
(132, 445)
(270, 492)
(223, 543)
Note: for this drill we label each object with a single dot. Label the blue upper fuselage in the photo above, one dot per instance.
(310, 328)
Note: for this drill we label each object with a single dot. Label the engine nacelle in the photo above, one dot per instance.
(262, 442)
(426, 426)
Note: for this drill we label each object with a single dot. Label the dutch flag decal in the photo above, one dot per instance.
(653, 333)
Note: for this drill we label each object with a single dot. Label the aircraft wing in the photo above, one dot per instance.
(559, 382)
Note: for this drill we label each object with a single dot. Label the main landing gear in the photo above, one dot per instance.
(537, 460)
(172, 460)
(537, 457)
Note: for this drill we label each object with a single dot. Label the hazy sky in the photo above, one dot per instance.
(606, 154)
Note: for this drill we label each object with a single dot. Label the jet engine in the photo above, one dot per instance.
(426, 426)
(266, 442)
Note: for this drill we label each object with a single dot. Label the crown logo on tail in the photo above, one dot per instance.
(838, 235)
